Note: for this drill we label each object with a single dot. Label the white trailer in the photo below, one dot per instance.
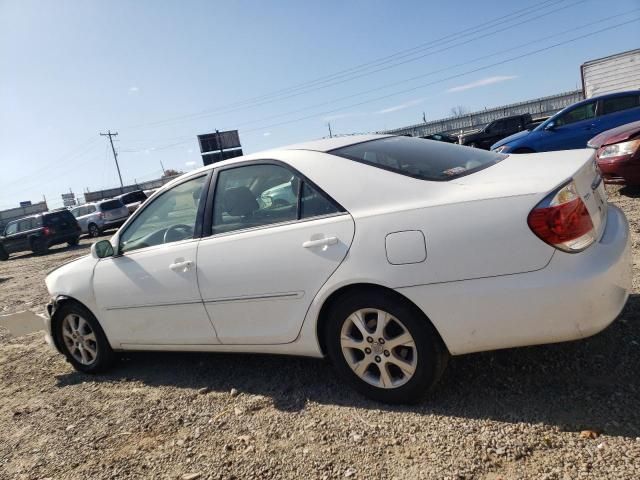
(615, 73)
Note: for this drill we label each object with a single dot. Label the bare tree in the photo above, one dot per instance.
(459, 111)
(170, 172)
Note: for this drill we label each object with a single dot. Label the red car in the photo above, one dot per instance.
(619, 154)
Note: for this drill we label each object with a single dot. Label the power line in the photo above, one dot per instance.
(265, 99)
(511, 59)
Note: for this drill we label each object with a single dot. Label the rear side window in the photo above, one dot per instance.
(419, 158)
(111, 205)
(617, 104)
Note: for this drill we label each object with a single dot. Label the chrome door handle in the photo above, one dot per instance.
(181, 266)
(321, 242)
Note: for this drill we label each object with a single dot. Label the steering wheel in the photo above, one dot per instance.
(172, 234)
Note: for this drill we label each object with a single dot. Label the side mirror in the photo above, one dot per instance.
(102, 249)
(550, 126)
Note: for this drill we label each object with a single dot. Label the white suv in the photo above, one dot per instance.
(95, 218)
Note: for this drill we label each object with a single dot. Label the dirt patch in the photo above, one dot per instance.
(511, 414)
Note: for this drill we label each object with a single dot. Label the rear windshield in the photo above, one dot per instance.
(420, 158)
(111, 205)
(58, 218)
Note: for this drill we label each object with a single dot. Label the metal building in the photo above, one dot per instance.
(539, 107)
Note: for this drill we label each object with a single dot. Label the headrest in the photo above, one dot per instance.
(240, 202)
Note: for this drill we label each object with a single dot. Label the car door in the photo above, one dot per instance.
(571, 130)
(275, 240)
(148, 292)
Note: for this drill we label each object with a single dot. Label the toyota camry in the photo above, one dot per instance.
(385, 254)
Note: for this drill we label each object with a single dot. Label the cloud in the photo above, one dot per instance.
(190, 163)
(266, 134)
(401, 106)
(482, 83)
(338, 116)
(133, 90)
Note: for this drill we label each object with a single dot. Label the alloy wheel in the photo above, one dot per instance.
(80, 339)
(378, 348)
(93, 231)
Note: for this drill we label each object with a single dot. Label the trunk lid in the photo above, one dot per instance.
(542, 173)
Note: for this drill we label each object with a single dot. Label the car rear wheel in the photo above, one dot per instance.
(384, 347)
(39, 247)
(3, 254)
(94, 231)
(82, 340)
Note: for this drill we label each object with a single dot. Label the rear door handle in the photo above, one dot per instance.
(181, 266)
(321, 242)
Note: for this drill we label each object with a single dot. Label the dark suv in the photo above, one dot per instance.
(39, 232)
(496, 130)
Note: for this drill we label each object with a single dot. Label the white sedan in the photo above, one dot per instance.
(385, 254)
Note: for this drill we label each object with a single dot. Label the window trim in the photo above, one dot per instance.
(208, 214)
(197, 231)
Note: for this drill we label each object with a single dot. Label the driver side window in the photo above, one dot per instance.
(171, 217)
(578, 114)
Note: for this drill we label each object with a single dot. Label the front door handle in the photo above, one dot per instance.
(181, 266)
(321, 242)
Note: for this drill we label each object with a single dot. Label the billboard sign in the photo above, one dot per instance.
(68, 199)
(216, 141)
(25, 204)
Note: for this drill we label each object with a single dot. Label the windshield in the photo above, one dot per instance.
(420, 158)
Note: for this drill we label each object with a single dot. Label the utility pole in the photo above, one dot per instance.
(219, 144)
(424, 117)
(330, 133)
(115, 155)
(163, 170)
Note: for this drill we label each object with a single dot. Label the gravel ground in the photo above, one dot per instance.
(562, 411)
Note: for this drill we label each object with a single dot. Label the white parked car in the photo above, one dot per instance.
(395, 253)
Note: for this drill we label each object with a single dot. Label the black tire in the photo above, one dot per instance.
(93, 230)
(104, 357)
(3, 254)
(431, 354)
(74, 242)
(39, 246)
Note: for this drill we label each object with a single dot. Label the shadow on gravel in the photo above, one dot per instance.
(590, 384)
(53, 250)
(630, 191)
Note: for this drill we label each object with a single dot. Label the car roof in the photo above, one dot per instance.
(606, 95)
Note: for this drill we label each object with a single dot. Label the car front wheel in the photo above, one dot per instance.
(3, 254)
(74, 241)
(82, 340)
(384, 347)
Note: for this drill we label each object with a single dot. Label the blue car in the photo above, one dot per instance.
(573, 126)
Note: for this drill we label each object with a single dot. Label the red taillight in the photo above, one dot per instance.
(47, 231)
(563, 221)
(100, 215)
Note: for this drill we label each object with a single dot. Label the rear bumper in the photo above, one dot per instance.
(575, 296)
(113, 223)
